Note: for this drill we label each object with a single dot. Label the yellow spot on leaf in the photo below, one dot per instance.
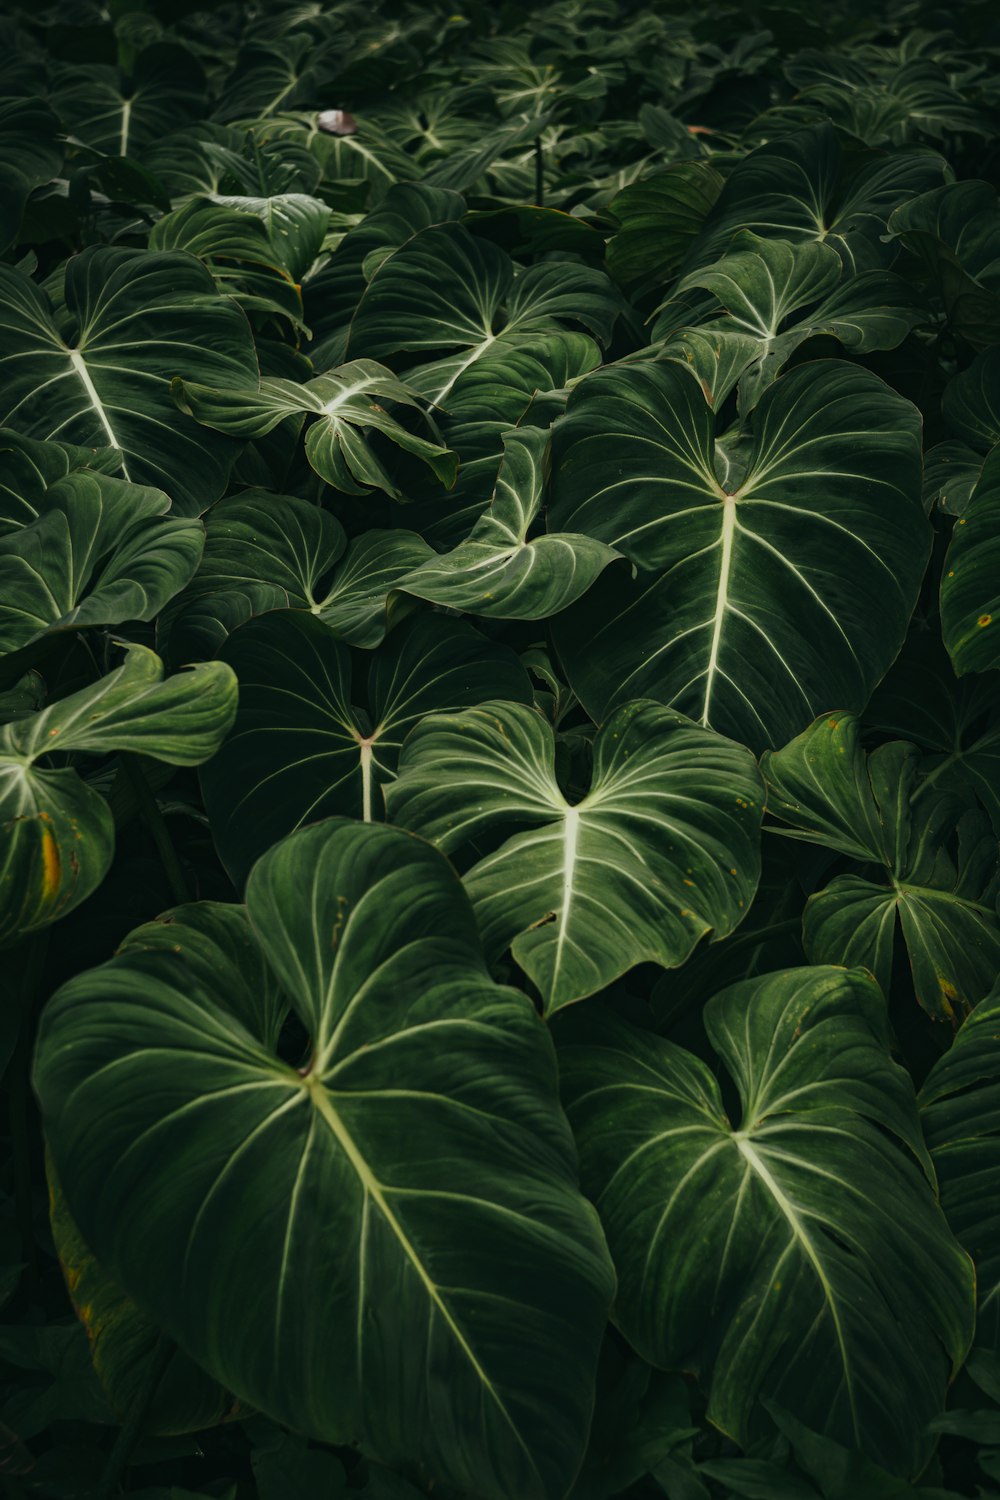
(51, 865)
(983, 620)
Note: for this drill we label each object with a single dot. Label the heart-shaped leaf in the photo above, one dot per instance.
(792, 1250)
(411, 1188)
(662, 850)
(769, 587)
(138, 319)
(300, 750)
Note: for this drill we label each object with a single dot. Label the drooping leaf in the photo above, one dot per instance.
(300, 750)
(768, 587)
(138, 319)
(501, 571)
(102, 551)
(939, 875)
(345, 406)
(659, 217)
(793, 1250)
(30, 154)
(56, 832)
(461, 1223)
(662, 851)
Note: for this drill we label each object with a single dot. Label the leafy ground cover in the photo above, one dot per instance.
(500, 750)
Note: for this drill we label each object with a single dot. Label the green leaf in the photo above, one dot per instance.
(659, 217)
(970, 594)
(56, 832)
(497, 571)
(110, 114)
(793, 1251)
(803, 186)
(300, 1223)
(137, 319)
(334, 292)
(939, 872)
(122, 1342)
(448, 289)
(345, 404)
(102, 551)
(770, 296)
(300, 750)
(662, 851)
(773, 582)
(961, 1123)
(295, 224)
(236, 248)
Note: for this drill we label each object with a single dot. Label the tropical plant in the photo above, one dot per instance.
(500, 750)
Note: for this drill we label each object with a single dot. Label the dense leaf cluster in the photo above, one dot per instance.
(500, 750)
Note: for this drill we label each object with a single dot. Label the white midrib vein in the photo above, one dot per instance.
(721, 598)
(374, 1192)
(571, 839)
(791, 1217)
(366, 780)
(79, 364)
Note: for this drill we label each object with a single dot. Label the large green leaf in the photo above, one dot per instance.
(789, 1248)
(662, 851)
(102, 551)
(335, 291)
(300, 749)
(659, 217)
(345, 406)
(124, 1344)
(770, 296)
(502, 571)
(938, 876)
(56, 832)
(136, 320)
(119, 116)
(961, 1123)
(970, 584)
(773, 583)
(236, 248)
(446, 289)
(405, 1201)
(803, 186)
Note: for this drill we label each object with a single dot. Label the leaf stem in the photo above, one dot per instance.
(539, 173)
(133, 771)
(118, 1458)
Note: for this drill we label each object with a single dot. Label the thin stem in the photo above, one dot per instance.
(539, 173)
(135, 775)
(118, 1458)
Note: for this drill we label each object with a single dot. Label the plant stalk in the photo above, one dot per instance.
(159, 832)
(539, 173)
